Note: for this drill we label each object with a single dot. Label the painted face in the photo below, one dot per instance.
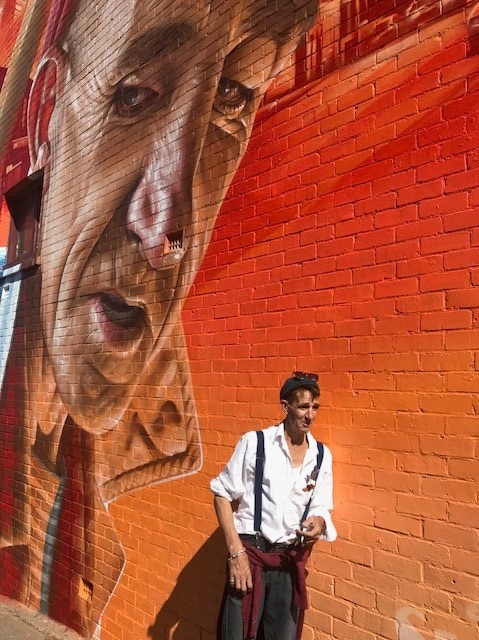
(152, 115)
(301, 411)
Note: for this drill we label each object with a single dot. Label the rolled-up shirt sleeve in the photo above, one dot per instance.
(284, 498)
(230, 483)
(322, 500)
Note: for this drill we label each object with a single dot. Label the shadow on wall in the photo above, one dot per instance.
(195, 601)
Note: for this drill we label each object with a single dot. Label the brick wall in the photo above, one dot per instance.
(347, 245)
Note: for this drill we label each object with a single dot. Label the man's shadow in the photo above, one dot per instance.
(193, 606)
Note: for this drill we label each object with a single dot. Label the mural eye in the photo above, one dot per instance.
(131, 100)
(231, 98)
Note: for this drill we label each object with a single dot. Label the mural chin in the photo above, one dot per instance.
(157, 438)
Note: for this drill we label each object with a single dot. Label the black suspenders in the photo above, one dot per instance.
(258, 480)
(314, 476)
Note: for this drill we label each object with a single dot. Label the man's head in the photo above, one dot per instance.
(299, 397)
(140, 113)
(299, 380)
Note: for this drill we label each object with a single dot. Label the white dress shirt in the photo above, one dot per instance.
(285, 490)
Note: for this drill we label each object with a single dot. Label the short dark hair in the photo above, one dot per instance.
(293, 384)
(294, 394)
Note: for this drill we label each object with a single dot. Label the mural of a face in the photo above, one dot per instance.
(139, 114)
(151, 116)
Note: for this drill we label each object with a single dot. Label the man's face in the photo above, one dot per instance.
(301, 410)
(154, 107)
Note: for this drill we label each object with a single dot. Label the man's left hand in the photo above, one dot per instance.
(311, 529)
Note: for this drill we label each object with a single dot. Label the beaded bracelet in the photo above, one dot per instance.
(235, 555)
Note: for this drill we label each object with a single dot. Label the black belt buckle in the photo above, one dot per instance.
(255, 540)
(259, 541)
(279, 547)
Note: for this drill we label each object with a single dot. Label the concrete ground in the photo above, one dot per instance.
(20, 623)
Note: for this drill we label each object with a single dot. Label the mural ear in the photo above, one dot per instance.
(41, 104)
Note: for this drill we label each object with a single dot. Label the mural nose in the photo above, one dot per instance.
(158, 216)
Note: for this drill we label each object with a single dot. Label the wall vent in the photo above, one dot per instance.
(85, 590)
(174, 242)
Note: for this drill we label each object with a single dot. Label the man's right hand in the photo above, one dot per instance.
(240, 574)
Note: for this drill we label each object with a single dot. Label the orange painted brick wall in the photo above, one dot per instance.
(347, 245)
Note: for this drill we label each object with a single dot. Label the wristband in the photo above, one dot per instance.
(235, 555)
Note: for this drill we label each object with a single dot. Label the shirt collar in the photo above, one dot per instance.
(312, 447)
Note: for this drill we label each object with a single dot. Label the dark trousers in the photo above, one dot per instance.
(277, 614)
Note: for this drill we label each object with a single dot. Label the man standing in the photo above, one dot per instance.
(269, 543)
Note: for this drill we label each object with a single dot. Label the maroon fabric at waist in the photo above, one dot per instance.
(293, 560)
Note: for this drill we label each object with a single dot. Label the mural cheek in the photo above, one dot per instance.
(225, 144)
(63, 262)
(94, 403)
(95, 369)
(213, 177)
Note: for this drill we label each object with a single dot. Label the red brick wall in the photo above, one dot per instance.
(347, 245)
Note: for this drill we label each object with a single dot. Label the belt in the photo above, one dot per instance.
(260, 542)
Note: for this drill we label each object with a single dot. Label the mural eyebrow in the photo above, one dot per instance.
(157, 42)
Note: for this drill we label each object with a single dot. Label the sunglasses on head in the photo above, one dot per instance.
(301, 375)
